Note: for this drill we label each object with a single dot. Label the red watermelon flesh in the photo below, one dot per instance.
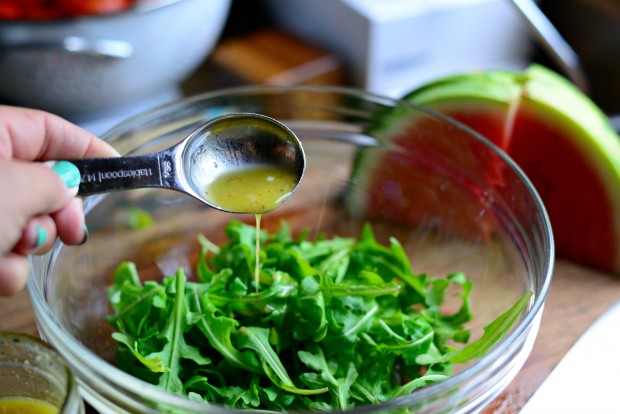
(431, 174)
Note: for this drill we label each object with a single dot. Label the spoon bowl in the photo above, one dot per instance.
(240, 163)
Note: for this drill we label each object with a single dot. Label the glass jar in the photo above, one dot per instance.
(34, 377)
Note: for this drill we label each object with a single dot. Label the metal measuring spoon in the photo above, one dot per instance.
(226, 146)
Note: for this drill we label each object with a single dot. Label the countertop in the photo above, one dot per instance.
(578, 296)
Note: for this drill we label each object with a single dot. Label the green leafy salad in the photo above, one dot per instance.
(334, 323)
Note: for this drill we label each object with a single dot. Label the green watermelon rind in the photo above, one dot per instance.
(384, 124)
(361, 175)
(499, 87)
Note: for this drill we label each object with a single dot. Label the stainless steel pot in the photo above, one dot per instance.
(87, 67)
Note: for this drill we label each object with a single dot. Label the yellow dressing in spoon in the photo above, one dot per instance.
(254, 190)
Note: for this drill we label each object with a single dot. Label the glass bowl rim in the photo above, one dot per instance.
(112, 374)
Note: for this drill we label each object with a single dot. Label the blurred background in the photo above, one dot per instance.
(97, 62)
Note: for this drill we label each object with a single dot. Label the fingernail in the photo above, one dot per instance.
(41, 237)
(86, 234)
(68, 172)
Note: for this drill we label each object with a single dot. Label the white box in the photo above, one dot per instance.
(392, 46)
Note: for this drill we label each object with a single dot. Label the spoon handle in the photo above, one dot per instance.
(101, 175)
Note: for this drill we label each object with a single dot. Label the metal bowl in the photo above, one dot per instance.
(90, 67)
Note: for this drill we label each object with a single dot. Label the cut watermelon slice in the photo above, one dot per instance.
(560, 139)
(431, 173)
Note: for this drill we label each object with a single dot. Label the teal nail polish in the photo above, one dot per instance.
(68, 172)
(41, 237)
(86, 234)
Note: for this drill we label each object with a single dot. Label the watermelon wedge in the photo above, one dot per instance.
(561, 140)
(426, 172)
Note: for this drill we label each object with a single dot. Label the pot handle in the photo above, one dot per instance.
(99, 48)
(552, 42)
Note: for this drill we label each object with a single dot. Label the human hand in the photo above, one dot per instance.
(38, 198)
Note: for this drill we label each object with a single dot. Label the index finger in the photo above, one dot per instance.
(30, 134)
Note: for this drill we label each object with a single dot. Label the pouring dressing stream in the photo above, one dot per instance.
(239, 163)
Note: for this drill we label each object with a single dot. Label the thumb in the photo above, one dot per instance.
(29, 189)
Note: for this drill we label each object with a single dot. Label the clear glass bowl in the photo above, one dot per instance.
(467, 207)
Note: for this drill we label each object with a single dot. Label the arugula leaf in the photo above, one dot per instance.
(153, 363)
(139, 218)
(338, 387)
(218, 330)
(203, 272)
(257, 339)
(493, 332)
(420, 382)
(176, 347)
